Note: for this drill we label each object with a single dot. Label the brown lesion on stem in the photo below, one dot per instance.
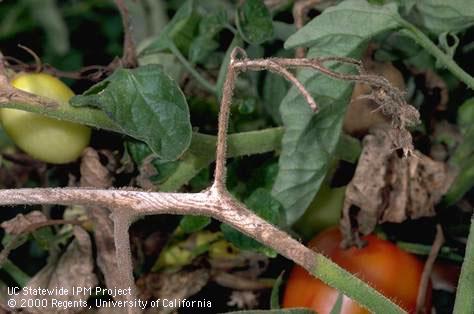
(216, 202)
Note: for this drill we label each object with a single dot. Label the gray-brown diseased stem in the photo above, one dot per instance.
(126, 206)
(224, 112)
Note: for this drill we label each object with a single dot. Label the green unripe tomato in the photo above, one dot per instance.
(43, 138)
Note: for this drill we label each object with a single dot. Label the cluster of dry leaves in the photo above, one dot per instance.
(388, 186)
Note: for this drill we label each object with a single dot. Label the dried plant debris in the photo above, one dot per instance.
(171, 286)
(388, 188)
(93, 173)
(147, 171)
(243, 299)
(20, 223)
(74, 268)
(361, 114)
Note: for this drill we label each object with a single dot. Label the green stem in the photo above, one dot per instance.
(465, 291)
(348, 284)
(446, 60)
(202, 152)
(87, 116)
(20, 277)
(199, 155)
(205, 83)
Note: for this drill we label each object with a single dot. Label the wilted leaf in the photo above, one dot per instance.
(254, 22)
(389, 188)
(147, 105)
(311, 139)
(75, 268)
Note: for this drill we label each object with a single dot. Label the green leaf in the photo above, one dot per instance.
(463, 156)
(337, 308)
(440, 16)
(329, 28)
(180, 30)
(265, 206)
(51, 20)
(466, 115)
(310, 140)
(201, 48)
(254, 22)
(213, 23)
(190, 224)
(278, 311)
(275, 87)
(138, 151)
(147, 105)
(275, 295)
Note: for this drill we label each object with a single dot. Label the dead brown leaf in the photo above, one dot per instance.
(171, 286)
(94, 174)
(146, 171)
(74, 268)
(388, 188)
(21, 222)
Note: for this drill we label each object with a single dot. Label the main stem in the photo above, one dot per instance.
(129, 205)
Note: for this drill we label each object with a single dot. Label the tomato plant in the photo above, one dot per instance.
(44, 138)
(393, 272)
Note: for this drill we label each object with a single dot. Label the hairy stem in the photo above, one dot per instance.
(201, 153)
(429, 46)
(129, 205)
(224, 112)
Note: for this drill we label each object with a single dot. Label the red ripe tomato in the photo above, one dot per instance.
(393, 272)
